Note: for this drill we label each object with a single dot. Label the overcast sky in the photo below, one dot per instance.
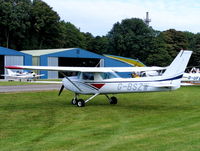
(98, 16)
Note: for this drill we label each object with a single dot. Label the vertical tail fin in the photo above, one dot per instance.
(177, 67)
(10, 73)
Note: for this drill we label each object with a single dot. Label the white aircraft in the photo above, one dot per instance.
(105, 80)
(192, 76)
(21, 75)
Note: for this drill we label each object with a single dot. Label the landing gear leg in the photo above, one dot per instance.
(81, 102)
(75, 99)
(112, 100)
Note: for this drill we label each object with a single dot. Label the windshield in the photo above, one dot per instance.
(108, 75)
(88, 76)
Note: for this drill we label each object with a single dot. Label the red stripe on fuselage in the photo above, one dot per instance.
(98, 86)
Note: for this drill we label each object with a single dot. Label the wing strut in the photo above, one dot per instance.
(91, 97)
(73, 83)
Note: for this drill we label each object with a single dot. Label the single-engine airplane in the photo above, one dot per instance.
(21, 75)
(105, 80)
(192, 75)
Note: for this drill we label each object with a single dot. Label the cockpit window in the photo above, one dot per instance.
(108, 75)
(88, 76)
(79, 75)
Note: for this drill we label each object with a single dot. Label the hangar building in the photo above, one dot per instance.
(70, 57)
(12, 57)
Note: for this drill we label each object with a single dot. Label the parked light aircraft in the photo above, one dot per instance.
(192, 75)
(105, 80)
(21, 75)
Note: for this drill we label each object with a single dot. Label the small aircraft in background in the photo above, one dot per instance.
(105, 80)
(22, 75)
(192, 75)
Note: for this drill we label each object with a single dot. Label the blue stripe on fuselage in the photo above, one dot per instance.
(174, 78)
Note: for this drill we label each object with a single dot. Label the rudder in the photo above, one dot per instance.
(177, 67)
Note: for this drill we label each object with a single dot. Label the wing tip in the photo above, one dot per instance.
(13, 67)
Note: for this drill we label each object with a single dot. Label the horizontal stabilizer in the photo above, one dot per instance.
(186, 84)
(163, 85)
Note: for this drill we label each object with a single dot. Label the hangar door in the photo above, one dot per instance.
(13, 60)
(52, 61)
(71, 62)
(78, 62)
(1, 66)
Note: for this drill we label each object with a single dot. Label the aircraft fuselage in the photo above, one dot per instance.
(120, 85)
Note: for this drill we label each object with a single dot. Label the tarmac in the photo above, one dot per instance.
(25, 88)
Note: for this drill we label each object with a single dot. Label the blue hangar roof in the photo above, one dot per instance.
(10, 52)
(72, 53)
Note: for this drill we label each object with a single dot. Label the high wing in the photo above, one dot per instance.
(135, 69)
(88, 69)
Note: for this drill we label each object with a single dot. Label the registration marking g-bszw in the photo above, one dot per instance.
(132, 86)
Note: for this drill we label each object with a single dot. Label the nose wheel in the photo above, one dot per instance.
(78, 102)
(74, 101)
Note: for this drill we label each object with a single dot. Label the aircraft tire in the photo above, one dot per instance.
(80, 103)
(113, 100)
(74, 101)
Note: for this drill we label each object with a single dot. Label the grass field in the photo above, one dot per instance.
(42, 121)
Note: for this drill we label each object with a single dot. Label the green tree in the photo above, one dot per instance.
(190, 39)
(195, 60)
(158, 55)
(14, 22)
(131, 38)
(175, 41)
(88, 41)
(97, 44)
(101, 44)
(44, 31)
(71, 36)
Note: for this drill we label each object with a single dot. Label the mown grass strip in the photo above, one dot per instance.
(140, 121)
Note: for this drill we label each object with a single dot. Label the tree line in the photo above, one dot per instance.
(33, 24)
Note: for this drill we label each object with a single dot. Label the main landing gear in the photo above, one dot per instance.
(81, 102)
(113, 100)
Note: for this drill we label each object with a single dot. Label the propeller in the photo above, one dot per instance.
(61, 89)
